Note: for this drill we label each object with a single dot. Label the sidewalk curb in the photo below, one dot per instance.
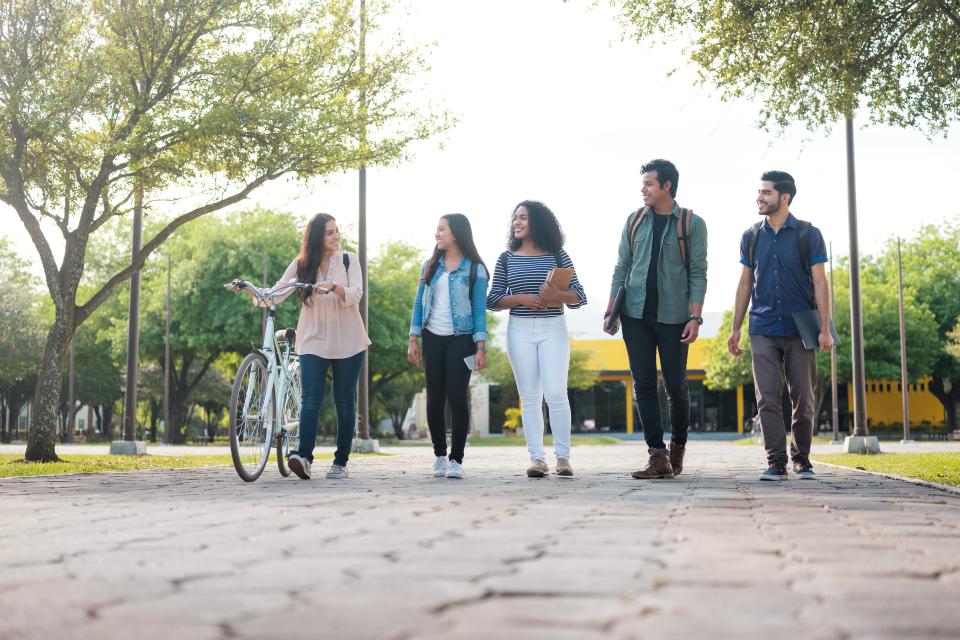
(923, 483)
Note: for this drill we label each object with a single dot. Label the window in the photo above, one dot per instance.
(922, 387)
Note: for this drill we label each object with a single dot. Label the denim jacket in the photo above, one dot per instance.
(469, 312)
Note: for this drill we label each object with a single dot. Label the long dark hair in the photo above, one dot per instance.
(544, 229)
(463, 234)
(311, 253)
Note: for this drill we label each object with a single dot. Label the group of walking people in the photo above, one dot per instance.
(656, 299)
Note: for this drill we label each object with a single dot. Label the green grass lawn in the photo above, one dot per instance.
(518, 441)
(942, 468)
(12, 465)
(751, 441)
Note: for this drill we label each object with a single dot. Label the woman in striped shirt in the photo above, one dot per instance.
(537, 341)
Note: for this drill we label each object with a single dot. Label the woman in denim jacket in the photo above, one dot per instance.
(449, 313)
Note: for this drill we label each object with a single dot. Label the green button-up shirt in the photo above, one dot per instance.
(676, 291)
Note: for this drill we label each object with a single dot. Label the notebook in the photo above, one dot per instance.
(612, 322)
(808, 324)
(560, 278)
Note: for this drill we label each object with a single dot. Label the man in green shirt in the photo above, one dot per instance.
(662, 268)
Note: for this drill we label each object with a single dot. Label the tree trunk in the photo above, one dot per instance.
(42, 436)
(107, 430)
(949, 399)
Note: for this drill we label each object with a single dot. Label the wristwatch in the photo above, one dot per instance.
(697, 318)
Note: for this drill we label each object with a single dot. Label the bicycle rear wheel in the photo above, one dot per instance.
(251, 417)
(288, 431)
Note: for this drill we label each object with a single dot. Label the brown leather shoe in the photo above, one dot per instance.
(676, 457)
(657, 467)
(538, 469)
(563, 468)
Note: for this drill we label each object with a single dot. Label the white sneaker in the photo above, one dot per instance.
(439, 467)
(300, 466)
(455, 470)
(337, 473)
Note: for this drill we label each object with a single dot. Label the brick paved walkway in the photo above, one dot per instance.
(395, 554)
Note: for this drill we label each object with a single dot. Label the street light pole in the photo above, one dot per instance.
(128, 444)
(365, 444)
(859, 440)
(166, 362)
(834, 396)
(903, 352)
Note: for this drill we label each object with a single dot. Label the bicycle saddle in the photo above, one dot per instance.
(287, 335)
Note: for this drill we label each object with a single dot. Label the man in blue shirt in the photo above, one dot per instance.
(783, 272)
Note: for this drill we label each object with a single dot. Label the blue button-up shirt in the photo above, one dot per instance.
(781, 286)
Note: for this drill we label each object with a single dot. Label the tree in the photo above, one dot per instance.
(113, 102)
(931, 267)
(816, 61)
(21, 336)
(392, 286)
(206, 320)
(723, 371)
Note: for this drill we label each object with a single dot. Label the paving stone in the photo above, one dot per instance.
(395, 554)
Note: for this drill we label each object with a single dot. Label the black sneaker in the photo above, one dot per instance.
(774, 473)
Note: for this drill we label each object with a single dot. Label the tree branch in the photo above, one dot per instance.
(950, 12)
(84, 311)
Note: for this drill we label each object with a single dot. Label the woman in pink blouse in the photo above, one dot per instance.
(330, 335)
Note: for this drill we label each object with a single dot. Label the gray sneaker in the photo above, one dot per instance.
(774, 473)
(439, 467)
(299, 465)
(337, 472)
(455, 470)
(538, 469)
(804, 470)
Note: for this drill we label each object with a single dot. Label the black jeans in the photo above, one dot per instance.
(644, 338)
(313, 379)
(448, 381)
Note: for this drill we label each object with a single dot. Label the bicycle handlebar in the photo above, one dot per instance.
(262, 294)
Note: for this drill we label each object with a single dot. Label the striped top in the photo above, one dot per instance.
(518, 275)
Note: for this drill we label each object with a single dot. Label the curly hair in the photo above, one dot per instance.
(544, 229)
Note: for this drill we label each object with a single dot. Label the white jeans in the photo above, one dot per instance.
(539, 351)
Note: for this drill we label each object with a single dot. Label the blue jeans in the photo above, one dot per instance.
(313, 378)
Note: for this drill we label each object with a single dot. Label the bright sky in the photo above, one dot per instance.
(553, 106)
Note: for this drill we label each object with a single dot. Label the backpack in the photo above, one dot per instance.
(683, 231)
(803, 244)
(471, 281)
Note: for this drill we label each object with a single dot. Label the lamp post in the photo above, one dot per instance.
(859, 440)
(834, 396)
(128, 444)
(903, 352)
(364, 443)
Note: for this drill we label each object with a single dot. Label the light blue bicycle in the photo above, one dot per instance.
(265, 402)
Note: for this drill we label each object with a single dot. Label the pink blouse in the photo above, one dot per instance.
(330, 327)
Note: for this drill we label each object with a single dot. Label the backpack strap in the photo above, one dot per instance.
(752, 241)
(803, 245)
(636, 218)
(683, 234)
(346, 265)
(472, 280)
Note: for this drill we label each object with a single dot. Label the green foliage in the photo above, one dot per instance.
(953, 346)
(817, 61)
(723, 371)
(942, 468)
(392, 286)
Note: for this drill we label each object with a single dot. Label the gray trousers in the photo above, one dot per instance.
(773, 355)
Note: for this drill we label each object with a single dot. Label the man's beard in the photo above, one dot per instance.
(770, 208)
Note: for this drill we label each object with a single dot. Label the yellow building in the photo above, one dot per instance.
(609, 405)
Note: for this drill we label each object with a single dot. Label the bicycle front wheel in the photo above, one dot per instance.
(251, 417)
